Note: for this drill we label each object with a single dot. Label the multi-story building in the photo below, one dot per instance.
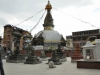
(82, 36)
(14, 35)
(69, 42)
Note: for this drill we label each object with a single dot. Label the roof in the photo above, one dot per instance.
(88, 44)
(49, 35)
(85, 30)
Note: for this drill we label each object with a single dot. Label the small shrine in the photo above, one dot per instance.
(15, 57)
(55, 59)
(43, 55)
(32, 59)
(91, 56)
(77, 54)
(60, 53)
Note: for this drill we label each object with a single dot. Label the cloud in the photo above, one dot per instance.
(3, 21)
(18, 6)
(97, 10)
(15, 11)
(68, 3)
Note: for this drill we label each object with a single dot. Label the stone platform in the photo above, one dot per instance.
(67, 68)
(15, 58)
(56, 61)
(88, 64)
(74, 59)
(32, 60)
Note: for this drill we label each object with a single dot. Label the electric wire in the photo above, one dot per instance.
(29, 17)
(26, 19)
(37, 22)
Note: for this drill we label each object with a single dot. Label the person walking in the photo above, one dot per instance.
(1, 63)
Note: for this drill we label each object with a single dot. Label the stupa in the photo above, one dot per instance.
(32, 59)
(55, 59)
(77, 54)
(60, 54)
(48, 38)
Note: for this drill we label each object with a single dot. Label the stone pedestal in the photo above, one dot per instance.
(43, 57)
(23, 52)
(55, 59)
(17, 58)
(77, 54)
(88, 64)
(37, 52)
(60, 54)
(49, 54)
(32, 60)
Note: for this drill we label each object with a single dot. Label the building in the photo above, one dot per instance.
(69, 42)
(13, 37)
(82, 36)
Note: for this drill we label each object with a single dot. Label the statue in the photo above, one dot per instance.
(30, 50)
(32, 59)
(55, 59)
(60, 54)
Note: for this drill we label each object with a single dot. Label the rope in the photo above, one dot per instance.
(37, 22)
(29, 17)
(26, 19)
(78, 19)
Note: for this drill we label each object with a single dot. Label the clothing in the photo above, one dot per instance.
(1, 68)
(1, 64)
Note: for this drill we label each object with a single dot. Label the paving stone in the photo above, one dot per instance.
(66, 68)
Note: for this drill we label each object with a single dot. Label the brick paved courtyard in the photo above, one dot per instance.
(67, 68)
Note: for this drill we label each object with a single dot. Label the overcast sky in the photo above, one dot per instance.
(14, 11)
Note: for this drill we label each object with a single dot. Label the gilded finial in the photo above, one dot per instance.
(48, 6)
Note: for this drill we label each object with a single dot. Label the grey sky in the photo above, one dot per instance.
(15, 11)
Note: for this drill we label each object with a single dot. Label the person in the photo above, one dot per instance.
(1, 64)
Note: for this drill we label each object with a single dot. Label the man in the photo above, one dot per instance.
(1, 64)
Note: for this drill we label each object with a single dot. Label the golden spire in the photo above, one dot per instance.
(48, 6)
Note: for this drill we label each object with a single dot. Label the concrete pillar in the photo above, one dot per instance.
(84, 54)
(12, 48)
(97, 41)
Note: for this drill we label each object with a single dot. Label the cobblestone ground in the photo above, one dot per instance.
(67, 68)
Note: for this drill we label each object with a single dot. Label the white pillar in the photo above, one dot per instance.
(12, 48)
(84, 54)
(97, 41)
